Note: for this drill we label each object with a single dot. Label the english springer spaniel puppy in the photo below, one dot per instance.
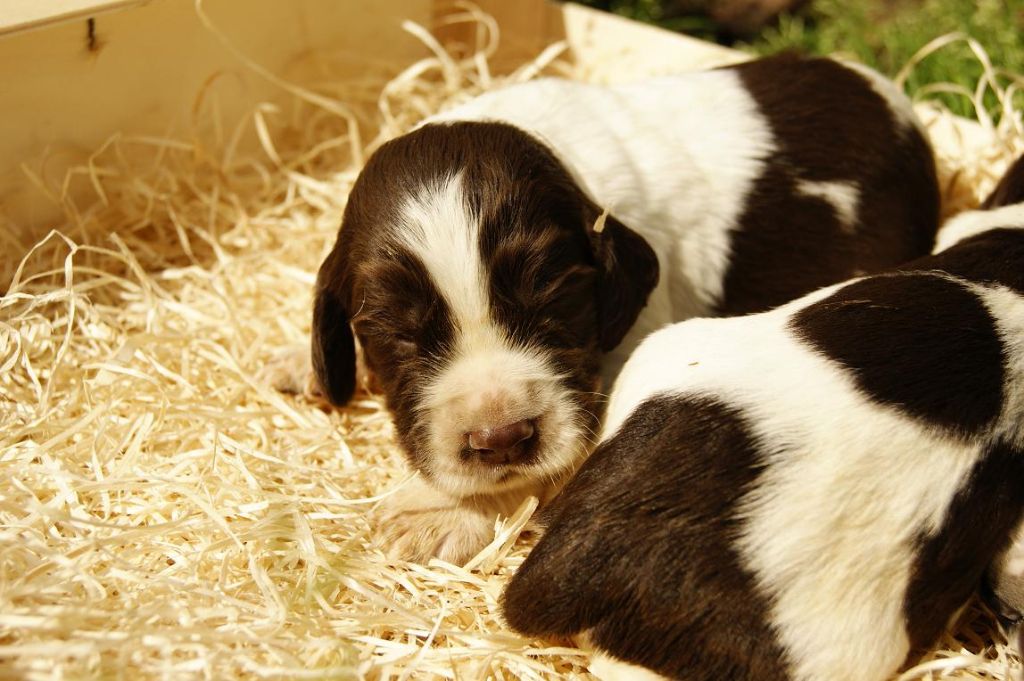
(803, 494)
(489, 259)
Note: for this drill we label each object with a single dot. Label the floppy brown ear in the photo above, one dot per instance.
(629, 272)
(333, 346)
(1010, 189)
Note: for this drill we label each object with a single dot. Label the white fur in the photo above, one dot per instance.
(843, 197)
(607, 668)
(1007, 309)
(438, 226)
(672, 359)
(829, 530)
(974, 222)
(1013, 561)
(489, 381)
(1007, 575)
(419, 522)
(650, 152)
(690, 146)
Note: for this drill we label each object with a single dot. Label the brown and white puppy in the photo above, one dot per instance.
(807, 493)
(488, 259)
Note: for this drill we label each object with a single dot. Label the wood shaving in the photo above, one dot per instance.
(166, 514)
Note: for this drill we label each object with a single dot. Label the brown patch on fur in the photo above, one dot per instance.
(829, 126)
(918, 343)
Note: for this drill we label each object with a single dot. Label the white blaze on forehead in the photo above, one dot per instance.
(486, 380)
(692, 145)
(844, 197)
(439, 227)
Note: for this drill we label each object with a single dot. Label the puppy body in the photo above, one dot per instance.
(489, 258)
(753, 184)
(807, 493)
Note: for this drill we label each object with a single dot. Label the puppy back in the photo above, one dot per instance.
(849, 189)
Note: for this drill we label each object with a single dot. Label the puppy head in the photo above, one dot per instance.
(470, 268)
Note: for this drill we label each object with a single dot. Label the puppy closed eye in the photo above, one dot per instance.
(555, 307)
(576, 282)
(404, 346)
(568, 301)
(382, 336)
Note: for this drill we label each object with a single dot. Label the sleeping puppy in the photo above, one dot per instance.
(808, 493)
(490, 258)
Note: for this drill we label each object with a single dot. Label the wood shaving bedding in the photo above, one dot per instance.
(164, 513)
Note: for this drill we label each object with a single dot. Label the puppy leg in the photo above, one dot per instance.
(291, 371)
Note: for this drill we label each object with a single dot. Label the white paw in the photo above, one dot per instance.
(291, 371)
(418, 523)
(453, 535)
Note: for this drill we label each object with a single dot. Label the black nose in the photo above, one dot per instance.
(504, 444)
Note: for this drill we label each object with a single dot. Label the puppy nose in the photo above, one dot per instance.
(504, 444)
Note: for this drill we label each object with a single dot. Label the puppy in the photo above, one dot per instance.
(807, 493)
(490, 258)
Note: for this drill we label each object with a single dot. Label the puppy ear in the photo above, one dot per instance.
(1010, 189)
(629, 272)
(333, 346)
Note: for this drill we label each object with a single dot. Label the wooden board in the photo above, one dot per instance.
(144, 65)
(23, 15)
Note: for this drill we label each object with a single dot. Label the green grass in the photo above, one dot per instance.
(884, 34)
(658, 12)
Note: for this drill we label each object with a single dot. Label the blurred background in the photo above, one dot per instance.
(885, 34)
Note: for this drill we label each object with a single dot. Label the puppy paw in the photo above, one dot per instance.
(419, 523)
(291, 371)
(454, 536)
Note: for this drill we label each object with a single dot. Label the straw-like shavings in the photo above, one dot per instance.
(164, 513)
